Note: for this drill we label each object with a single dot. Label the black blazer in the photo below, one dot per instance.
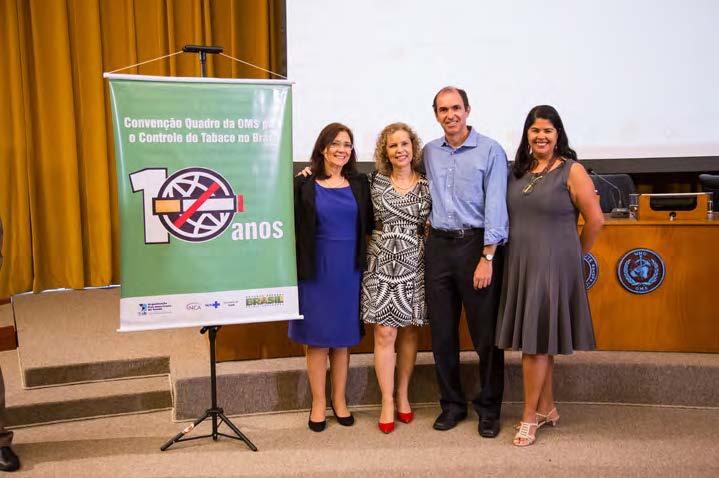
(306, 222)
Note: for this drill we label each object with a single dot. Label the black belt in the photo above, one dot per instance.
(457, 233)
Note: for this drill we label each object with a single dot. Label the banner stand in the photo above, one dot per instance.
(214, 412)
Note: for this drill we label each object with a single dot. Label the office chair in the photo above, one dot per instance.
(710, 184)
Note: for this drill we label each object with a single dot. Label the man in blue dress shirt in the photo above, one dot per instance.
(467, 175)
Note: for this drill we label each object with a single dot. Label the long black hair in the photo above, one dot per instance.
(523, 160)
(326, 136)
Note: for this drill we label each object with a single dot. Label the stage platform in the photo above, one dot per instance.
(591, 441)
(71, 363)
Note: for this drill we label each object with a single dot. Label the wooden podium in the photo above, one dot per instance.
(680, 315)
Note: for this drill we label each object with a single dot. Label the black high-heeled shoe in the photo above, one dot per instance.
(344, 421)
(316, 426)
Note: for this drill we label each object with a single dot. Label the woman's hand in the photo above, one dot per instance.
(305, 172)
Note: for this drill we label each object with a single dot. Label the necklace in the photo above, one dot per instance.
(337, 183)
(538, 177)
(412, 181)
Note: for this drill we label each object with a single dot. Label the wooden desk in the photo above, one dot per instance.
(682, 314)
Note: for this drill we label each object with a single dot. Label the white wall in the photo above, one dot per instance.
(630, 78)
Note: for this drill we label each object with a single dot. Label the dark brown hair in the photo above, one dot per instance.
(317, 160)
(447, 89)
(523, 160)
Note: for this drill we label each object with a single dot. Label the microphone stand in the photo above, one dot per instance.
(619, 210)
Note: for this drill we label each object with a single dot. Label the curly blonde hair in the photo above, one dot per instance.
(382, 163)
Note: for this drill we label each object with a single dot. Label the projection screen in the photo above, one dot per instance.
(631, 79)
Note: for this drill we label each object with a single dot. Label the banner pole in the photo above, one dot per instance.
(215, 413)
(202, 51)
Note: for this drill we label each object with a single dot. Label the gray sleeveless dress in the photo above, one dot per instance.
(544, 307)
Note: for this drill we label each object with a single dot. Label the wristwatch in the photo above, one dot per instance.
(488, 257)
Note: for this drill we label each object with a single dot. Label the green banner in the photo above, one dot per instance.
(204, 170)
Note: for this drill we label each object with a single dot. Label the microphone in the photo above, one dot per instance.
(619, 210)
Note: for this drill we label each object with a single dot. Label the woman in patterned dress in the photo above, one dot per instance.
(393, 284)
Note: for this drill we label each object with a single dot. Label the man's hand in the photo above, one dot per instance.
(482, 274)
(305, 172)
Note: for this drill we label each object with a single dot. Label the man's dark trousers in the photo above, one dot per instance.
(449, 271)
(5, 435)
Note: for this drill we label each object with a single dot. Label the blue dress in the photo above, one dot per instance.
(330, 301)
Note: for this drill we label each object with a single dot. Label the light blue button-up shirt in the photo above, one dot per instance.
(468, 186)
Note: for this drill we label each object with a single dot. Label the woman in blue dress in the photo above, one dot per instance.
(333, 213)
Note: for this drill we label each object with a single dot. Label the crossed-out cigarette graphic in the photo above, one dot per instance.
(205, 203)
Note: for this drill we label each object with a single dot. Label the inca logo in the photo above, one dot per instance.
(194, 204)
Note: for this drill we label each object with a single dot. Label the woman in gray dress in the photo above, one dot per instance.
(544, 309)
(393, 284)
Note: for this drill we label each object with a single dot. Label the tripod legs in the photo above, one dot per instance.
(188, 429)
(216, 415)
(240, 435)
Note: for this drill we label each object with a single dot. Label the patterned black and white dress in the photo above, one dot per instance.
(393, 284)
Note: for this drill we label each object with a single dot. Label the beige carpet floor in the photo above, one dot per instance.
(591, 440)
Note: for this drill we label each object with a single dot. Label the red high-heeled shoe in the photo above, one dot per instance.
(405, 417)
(386, 427)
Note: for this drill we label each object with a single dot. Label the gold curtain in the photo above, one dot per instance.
(58, 193)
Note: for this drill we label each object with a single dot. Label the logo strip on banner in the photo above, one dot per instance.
(191, 310)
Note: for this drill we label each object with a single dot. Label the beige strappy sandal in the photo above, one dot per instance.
(551, 418)
(523, 436)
